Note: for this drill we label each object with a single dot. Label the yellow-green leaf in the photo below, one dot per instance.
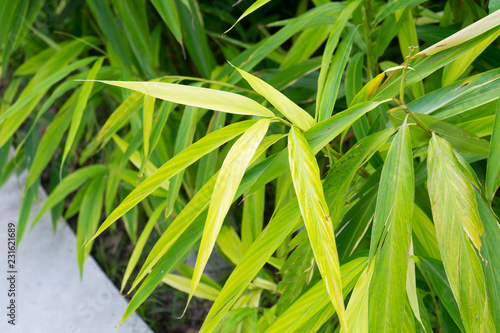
(182, 283)
(391, 232)
(206, 98)
(307, 182)
(228, 181)
(357, 309)
(179, 162)
(147, 116)
(256, 5)
(298, 116)
(456, 217)
(477, 28)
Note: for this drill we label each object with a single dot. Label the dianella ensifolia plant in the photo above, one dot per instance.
(345, 160)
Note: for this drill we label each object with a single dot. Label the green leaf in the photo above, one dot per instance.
(424, 235)
(437, 276)
(228, 180)
(198, 204)
(182, 283)
(331, 44)
(88, 219)
(120, 116)
(316, 299)
(457, 222)
(68, 185)
(197, 96)
(169, 14)
(80, 107)
(314, 209)
(50, 140)
(477, 28)
(251, 57)
(256, 5)
(183, 139)
(493, 5)
(455, 69)
(491, 253)
(147, 122)
(391, 235)
(179, 162)
(141, 242)
(298, 116)
(27, 97)
(357, 309)
(196, 37)
(493, 170)
(327, 98)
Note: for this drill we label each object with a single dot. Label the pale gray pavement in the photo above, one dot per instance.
(50, 297)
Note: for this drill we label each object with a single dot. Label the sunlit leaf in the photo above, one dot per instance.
(228, 181)
(314, 209)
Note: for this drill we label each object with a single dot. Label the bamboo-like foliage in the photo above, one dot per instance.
(344, 160)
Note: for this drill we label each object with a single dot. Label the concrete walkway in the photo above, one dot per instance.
(49, 295)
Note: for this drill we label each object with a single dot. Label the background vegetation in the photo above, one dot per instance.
(344, 163)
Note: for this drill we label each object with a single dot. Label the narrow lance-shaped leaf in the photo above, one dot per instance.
(179, 162)
(228, 181)
(411, 286)
(206, 98)
(493, 169)
(307, 182)
(88, 219)
(256, 5)
(477, 28)
(183, 139)
(286, 220)
(147, 118)
(68, 185)
(357, 309)
(298, 116)
(316, 299)
(437, 276)
(456, 217)
(331, 44)
(139, 246)
(491, 253)
(80, 107)
(332, 81)
(198, 204)
(391, 232)
(27, 97)
(169, 14)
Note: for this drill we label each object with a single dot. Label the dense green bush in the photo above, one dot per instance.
(345, 160)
